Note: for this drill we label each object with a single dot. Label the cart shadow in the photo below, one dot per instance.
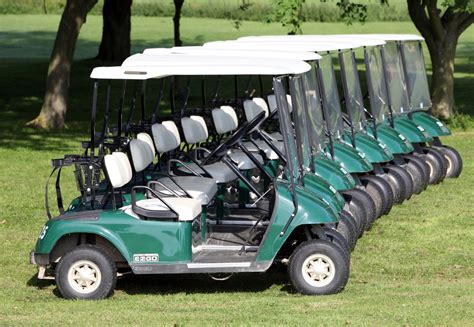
(195, 284)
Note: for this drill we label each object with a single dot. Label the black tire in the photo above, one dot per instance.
(453, 159)
(417, 176)
(347, 227)
(436, 162)
(422, 166)
(335, 237)
(407, 180)
(356, 207)
(311, 252)
(367, 203)
(376, 194)
(396, 183)
(95, 258)
(386, 192)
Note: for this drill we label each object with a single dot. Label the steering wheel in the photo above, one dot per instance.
(232, 140)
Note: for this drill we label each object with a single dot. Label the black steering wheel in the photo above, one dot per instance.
(232, 140)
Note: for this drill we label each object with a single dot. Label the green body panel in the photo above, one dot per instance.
(323, 189)
(375, 151)
(311, 211)
(393, 140)
(171, 240)
(413, 132)
(332, 172)
(351, 159)
(433, 125)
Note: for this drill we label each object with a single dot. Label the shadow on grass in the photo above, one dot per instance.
(190, 283)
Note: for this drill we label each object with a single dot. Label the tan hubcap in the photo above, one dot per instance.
(84, 276)
(318, 270)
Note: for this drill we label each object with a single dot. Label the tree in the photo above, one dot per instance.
(289, 14)
(178, 5)
(57, 81)
(115, 44)
(440, 24)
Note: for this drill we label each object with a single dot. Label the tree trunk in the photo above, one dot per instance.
(178, 5)
(442, 83)
(54, 106)
(115, 44)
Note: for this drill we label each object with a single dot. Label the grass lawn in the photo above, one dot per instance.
(415, 267)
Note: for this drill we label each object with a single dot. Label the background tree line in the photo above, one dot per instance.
(439, 22)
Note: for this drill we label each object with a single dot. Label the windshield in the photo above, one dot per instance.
(397, 87)
(376, 84)
(352, 92)
(330, 96)
(417, 82)
(292, 166)
(315, 120)
(299, 114)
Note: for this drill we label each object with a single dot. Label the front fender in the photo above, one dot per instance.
(433, 125)
(395, 142)
(336, 175)
(322, 188)
(375, 151)
(351, 159)
(413, 132)
(311, 211)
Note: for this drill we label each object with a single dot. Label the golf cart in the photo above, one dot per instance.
(118, 225)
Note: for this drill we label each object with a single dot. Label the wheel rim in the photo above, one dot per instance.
(84, 276)
(450, 165)
(318, 270)
(431, 168)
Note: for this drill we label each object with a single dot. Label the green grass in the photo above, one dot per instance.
(415, 267)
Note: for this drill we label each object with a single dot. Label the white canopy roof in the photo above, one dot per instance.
(278, 45)
(226, 52)
(344, 41)
(144, 66)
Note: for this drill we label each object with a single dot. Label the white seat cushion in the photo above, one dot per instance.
(166, 136)
(219, 171)
(225, 119)
(262, 145)
(243, 161)
(186, 208)
(195, 129)
(200, 188)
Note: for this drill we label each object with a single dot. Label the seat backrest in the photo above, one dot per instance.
(142, 154)
(118, 169)
(225, 119)
(145, 137)
(253, 107)
(273, 104)
(166, 136)
(194, 129)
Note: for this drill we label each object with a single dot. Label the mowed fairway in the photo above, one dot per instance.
(415, 267)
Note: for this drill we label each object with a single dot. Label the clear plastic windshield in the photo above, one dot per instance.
(376, 84)
(315, 120)
(289, 141)
(352, 91)
(331, 96)
(299, 114)
(395, 78)
(415, 73)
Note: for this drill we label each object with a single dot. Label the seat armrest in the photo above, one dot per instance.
(163, 214)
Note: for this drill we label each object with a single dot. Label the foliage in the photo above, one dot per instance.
(289, 14)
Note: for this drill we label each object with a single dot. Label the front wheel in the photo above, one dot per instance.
(318, 267)
(453, 159)
(87, 273)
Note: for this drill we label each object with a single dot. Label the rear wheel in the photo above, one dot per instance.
(454, 161)
(87, 273)
(318, 267)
